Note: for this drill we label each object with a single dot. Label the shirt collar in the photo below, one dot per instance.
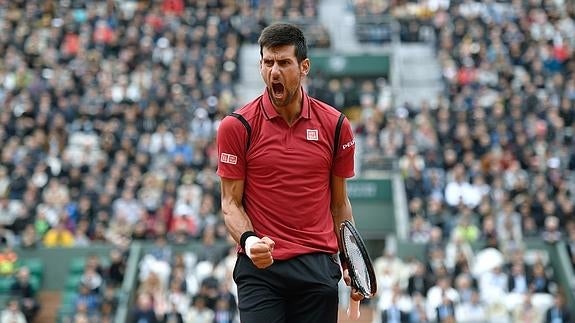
(270, 112)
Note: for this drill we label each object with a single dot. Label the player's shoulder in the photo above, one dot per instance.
(246, 112)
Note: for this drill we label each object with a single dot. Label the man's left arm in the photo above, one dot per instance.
(341, 210)
(342, 168)
(340, 205)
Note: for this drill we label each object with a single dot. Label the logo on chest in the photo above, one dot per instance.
(312, 134)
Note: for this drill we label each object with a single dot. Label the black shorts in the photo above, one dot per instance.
(303, 289)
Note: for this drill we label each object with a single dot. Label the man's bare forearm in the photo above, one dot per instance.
(236, 219)
(341, 213)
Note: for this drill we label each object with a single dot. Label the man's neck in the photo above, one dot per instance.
(291, 112)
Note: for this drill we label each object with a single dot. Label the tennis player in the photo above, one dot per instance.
(283, 165)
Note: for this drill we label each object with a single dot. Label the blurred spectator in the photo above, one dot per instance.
(458, 250)
(489, 231)
(526, 311)
(178, 300)
(418, 282)
(493, 284)
(91, 279)
(81, 234)
(551, 232)
(161, 251)
(110, 298)
(128, 208)
(8, 261)
(224, 313)
(440, 299)
(9, 210)
(435, 265)
(106, 314)
(417, 313)
(144, 310)
(465, 286)
(211, 251)
(393, 314)
(509, 229)
(114, 273)
(420, 230)
(518, 280)
(23, 290)
(29, 238)
(12, 313)
(559, 312)
(199, 312)
(172, 315)
(411, 162)
(539, 281)
(472, 310)
(465, 229)
(445, 312)
(389, 270)
(459, 190)
(87, 301)
(394, 304)
(7, 237)
(162, 141)
(58, 236)
(152, 287)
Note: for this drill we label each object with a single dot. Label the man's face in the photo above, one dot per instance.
(282, 73)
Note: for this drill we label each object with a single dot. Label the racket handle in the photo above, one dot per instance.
(353, 310)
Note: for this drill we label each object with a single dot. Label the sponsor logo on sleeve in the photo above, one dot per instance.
(228, 158)
(348, 144)
(312, 134)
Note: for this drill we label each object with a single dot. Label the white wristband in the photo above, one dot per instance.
(250, 241)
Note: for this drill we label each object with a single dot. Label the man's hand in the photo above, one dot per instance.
(354, 294)
(260, 251)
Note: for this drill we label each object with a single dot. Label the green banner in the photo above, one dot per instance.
(358, 65)
(373, 208)
(366, 189)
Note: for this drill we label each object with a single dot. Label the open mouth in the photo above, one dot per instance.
(278, 89)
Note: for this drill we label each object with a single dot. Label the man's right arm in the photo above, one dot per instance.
(235, 216)
(238, 222)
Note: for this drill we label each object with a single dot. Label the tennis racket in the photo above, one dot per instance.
(359, 265)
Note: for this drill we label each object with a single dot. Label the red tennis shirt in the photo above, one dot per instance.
(286, 172)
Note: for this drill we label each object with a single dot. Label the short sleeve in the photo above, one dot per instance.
(231, 140)
(343, 165)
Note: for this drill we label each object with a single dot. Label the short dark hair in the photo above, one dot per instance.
(281, 34)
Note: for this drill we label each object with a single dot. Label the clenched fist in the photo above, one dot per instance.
(260, 251)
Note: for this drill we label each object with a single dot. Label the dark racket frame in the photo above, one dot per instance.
(366, 291)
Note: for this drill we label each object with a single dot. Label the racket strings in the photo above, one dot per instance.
(357, 262)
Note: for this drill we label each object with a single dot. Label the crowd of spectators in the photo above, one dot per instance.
(191, 286)
(109, 111)
(108, 115)
(96, 296)
(488, 167)
(379, 21)
(23, 302)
